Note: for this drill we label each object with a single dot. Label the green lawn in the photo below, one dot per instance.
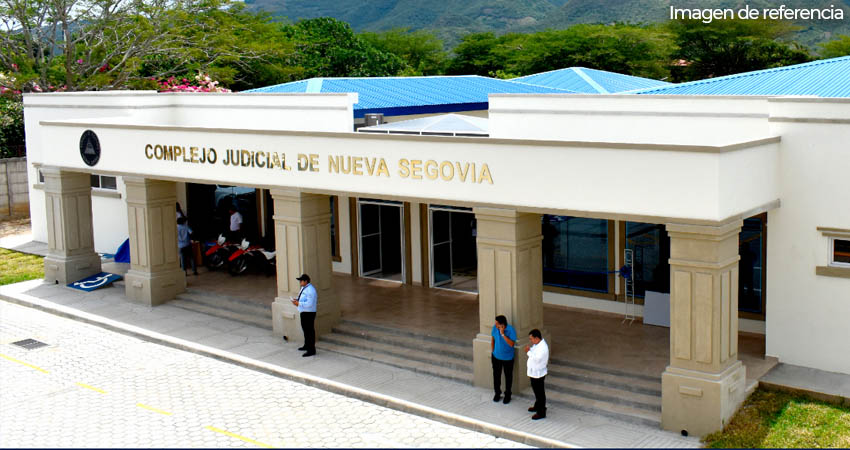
(16, 267)
(771, 419)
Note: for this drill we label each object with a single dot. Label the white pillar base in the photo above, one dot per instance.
(153, 289)
(68, 269)
(286, 321)
(701, 403)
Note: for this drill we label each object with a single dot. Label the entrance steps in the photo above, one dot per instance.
(225, 307)
(625, 396)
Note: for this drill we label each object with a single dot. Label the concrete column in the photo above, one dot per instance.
(705, 382)
(302, 231)
(70, 239)
(155, 275)
(510, 282)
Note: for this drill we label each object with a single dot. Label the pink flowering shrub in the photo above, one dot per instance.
(201, 83)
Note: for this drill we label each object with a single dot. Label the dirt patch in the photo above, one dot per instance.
(14, 225)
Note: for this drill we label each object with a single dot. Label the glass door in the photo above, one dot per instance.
(441, 247)
(370, 239)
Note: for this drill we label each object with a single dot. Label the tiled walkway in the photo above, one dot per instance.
(444, 400)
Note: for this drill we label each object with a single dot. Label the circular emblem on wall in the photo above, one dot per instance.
(90, 148)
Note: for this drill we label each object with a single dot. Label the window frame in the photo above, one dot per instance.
(831, 252)
(100, 182)
(832, 268)
(611, 284)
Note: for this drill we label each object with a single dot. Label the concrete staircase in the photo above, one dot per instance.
(225, 307)
(629, 397)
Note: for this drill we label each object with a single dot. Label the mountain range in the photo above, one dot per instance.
(451, 19)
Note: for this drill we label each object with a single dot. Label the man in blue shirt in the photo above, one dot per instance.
(502, 342)
(306, 303)
(185, 244)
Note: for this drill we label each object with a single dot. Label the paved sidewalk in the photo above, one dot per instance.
(828, 386)
(256, 348)
(90, 387)
(23, 243)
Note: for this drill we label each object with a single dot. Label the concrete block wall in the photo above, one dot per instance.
(14, 187)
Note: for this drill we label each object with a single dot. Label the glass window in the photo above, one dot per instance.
(840, 252)
(575, 253)
(108, 182)
(104, 182)
(751, 249)
(651, 246)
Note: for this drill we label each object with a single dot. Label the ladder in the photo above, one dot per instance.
(629, 291)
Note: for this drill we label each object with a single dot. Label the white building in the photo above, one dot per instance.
(598, 174)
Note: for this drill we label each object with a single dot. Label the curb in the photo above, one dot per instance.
(289, 374)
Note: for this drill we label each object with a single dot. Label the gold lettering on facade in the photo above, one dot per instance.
(382, 168)
(431, 169)
(485, 175)
(416, 169)
(447, 175)
(355, 165)
(463, 171)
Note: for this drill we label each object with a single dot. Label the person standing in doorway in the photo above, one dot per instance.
(180, 212)
(502, 339)
(306, 303)
(538, 359)
(185, 244)
(235, 225)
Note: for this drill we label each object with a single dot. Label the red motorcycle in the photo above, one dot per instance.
(251, 257)
(218, 255)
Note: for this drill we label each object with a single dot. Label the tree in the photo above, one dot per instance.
(421, 51)
(241, 49)
(326, 47)
(628, 49)
(11, 126)
(108, 44)
(474, 56)
(836, 47)
(726, 47)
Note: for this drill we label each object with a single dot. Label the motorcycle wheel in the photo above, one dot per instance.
(238, 267)
(215, 261)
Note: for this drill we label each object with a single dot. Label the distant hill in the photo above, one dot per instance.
(450, 19)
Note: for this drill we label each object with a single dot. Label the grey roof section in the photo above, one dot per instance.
(442, 125)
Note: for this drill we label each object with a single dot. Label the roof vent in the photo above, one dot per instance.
(374, 119)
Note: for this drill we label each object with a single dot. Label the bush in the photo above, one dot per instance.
(12, 142)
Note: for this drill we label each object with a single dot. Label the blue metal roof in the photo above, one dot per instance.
(589, 81)
(415, 95)
(823, 78)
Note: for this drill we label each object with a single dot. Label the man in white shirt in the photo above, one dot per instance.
(306, 303)
(538, 359)
(235, 225)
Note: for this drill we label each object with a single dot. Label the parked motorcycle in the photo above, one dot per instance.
(218, 255)
(254, 258)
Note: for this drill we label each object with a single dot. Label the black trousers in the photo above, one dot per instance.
(499, 366)
(187, 257)
(308, 324)
(539, 395)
